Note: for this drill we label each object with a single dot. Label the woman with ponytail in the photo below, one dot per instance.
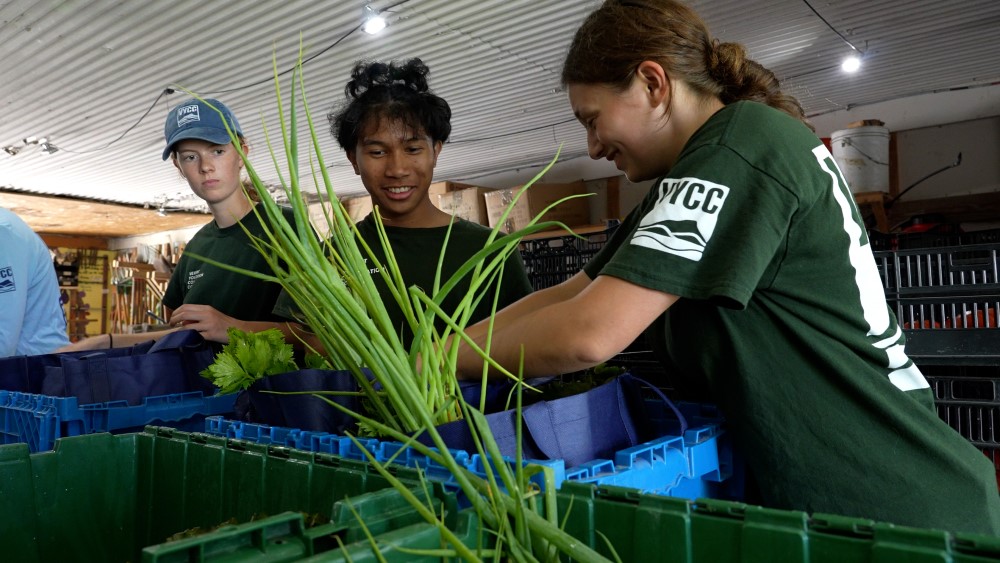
(750, 270)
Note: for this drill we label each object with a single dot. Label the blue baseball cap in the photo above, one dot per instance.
(199, 119)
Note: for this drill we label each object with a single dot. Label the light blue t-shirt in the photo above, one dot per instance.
(31, 317)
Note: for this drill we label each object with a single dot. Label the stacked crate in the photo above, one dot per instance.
(163, 495)
(551, 260)
(947, 300)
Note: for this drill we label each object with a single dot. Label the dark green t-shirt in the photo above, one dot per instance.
(782, 314)
(231, 293)
(417, 252)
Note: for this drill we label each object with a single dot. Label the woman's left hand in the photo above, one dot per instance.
(212, 324)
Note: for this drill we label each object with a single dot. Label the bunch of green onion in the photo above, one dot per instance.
(331, 284)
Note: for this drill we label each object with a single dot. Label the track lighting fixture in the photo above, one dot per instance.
(42, 142)
(374, 22)
(851, 64)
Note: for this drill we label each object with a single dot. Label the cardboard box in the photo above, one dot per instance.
(358, 207)
(468, 203)
(438, 188)
(535, 199)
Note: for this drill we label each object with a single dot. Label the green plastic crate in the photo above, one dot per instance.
(653, 528)
(673, 530)
(117, 498)
(108, 498)
(285, 538)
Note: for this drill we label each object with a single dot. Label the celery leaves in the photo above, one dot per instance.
(248, 357)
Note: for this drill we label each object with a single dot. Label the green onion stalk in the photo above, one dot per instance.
(417, 389)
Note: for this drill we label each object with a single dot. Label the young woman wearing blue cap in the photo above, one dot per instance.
(748, 261)
(201, 296)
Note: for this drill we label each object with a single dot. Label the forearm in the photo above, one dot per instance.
(117, 340)
(302, 338)
(528, 304)
(547, 347)
(571, 334)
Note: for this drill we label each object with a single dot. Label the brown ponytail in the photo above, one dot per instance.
(618, 36)
(740, 78)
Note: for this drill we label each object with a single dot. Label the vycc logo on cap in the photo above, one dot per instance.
(187, 114)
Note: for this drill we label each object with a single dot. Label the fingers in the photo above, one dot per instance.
(190, 313)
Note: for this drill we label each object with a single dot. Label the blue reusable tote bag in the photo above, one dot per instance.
(303, 411)
(579, 428)
(25, 374)
(171, 365)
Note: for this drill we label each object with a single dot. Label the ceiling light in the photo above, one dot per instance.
(11, 150)
(48, 147)
(30, 140)
(374, 22)
(851, 64)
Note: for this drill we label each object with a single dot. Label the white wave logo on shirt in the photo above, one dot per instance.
(683, 219)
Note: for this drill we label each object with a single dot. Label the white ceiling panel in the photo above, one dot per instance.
(91, 75)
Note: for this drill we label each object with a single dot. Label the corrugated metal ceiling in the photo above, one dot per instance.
(90, 75)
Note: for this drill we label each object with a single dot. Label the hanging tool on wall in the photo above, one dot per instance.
(924, 223)
(958, 160)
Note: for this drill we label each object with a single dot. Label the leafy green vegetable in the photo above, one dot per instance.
(574, 383)
(316, 361)
(248, 357)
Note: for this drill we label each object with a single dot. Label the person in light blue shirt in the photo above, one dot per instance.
(31, 317)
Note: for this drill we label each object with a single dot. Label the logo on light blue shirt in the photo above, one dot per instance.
(7, 279)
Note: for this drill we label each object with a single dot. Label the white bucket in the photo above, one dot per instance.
(862, 153)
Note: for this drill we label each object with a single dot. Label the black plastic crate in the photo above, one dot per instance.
(551, 261)
(989, 236)
(970, 405)
(881, 241)
(927, 239)
(939, 313)
(885, 261)
(968, 399)
(964, 347)
(994, 455)
(969, 269)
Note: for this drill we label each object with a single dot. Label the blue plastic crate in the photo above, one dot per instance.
(699, 464)
(346, 447)
(39, 420)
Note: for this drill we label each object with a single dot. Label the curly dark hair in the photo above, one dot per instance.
(395, 92)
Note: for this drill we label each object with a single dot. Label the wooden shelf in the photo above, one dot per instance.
(875, 201)
(137, 266)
